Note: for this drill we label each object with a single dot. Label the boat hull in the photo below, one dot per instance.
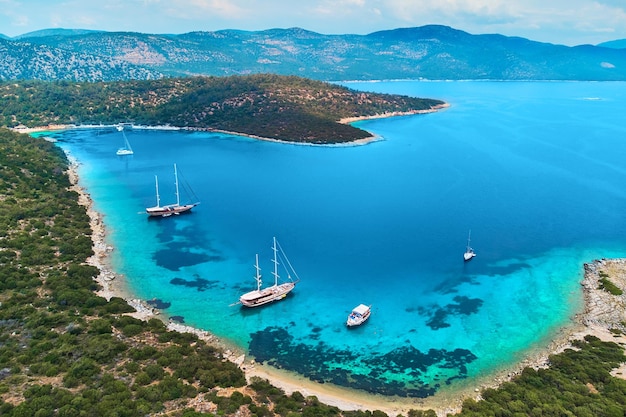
(268, 295)
(468, 256)
(167, 211)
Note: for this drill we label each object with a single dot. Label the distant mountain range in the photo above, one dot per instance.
(427, 52)
(617, 44)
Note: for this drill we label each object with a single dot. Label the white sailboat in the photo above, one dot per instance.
(469, 252)
(168, 210)
(276, 292)
(126, 150)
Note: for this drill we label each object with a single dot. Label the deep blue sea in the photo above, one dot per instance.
(536, 170)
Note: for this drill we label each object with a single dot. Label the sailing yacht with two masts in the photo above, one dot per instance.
(276, 292)
(168, 210)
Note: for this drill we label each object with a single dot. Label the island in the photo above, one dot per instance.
(266, 106)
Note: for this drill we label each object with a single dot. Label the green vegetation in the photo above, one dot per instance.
(578, 383)
(608, 286)
(64, 350)
(287, 108)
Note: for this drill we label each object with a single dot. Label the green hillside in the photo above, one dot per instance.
(431, 52)
(286, 108)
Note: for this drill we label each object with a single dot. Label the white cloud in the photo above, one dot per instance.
(11, 17)
(223, 8)
(558, 21)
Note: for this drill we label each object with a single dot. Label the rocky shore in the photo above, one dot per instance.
(603, 309)
(605, 313)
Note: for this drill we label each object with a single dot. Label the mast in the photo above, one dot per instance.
(156, 181)
(176, 183)
(275, 273)
(258, 274)
(126, 142)
(468, 240)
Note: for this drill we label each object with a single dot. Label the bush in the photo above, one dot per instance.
(82, 371)
(610, 287)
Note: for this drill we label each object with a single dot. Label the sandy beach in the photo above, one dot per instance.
(602, 313)
(394, 114)
(358, 142)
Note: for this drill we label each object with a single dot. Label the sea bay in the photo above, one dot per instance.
(534, 169)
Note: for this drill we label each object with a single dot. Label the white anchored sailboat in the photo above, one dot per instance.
(126, 150)
(469, 252)
(168, 210)
(276, 292)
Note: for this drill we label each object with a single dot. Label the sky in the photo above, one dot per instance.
(565, 22)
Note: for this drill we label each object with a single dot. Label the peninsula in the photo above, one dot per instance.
(284, 108)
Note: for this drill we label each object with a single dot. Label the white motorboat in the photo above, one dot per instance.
(358, 315)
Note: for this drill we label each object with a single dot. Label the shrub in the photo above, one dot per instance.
(609, 286)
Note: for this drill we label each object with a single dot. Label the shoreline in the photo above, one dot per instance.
(601, 313)
(433, 109)
(356, 142)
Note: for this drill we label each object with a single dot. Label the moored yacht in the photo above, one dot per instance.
(469, 252)
(174, 208)
(126, 149)
(358, 315)
(276, 292)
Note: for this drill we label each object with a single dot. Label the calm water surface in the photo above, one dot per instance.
(535, 170)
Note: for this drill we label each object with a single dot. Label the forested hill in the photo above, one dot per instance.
(278, 107)
(25, 61)
(428, 52)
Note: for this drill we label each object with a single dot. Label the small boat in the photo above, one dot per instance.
(126, 150)
(358, 315)
(469, 252)
(276, 292)
(170, 209)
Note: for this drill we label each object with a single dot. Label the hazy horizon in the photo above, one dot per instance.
(566, 22)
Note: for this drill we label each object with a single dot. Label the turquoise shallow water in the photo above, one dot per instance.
(535, 170)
